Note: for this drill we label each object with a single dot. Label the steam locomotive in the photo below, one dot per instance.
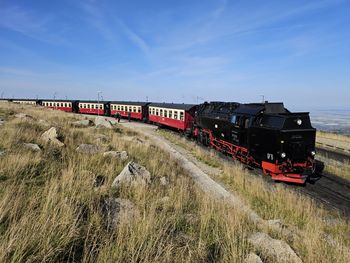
(263, 135)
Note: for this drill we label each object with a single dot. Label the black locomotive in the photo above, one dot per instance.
(264, 135)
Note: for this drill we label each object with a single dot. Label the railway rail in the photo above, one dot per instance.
(330, 190)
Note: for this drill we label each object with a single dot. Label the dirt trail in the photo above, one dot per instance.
(202, 178)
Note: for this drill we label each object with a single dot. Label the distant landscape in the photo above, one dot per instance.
(331, 120)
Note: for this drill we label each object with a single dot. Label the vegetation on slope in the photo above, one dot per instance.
(323, 236)
(49, 209)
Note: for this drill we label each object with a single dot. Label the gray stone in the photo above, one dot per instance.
(82, 123)
(32, 146)
(118, 210)
(23, 115)
(89, 148)
(163, 181)
(102, 122)
(133, 173)
(44, 123)
(253, 258)
(2, 153)
(50, 137)
(123, 155)
(1, 122)
(273, 249)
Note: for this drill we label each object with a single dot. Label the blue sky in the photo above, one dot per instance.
(181, 51)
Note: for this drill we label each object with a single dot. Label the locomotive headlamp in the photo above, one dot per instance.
(313, 153)
(283, 155)
(299, 122)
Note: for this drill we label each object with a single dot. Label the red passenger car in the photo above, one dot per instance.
(178, 116)
(63, 105)
(137, 110)
(94, 107)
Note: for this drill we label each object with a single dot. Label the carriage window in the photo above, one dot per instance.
(101, 107)
(161, 112)
(181, 115)
(153, 111)
(134, 109)
(139, 109)
(170, 114)
(118, 107)
(165, 113)
(175, 115)
(157, 112)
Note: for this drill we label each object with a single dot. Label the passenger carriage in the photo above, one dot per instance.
(63, 105)
(25, 101)
(94, 107)
(178, 116)
(137, 110)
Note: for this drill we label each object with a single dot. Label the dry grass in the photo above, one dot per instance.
(49, 209)
(323, 236)
(334, 136)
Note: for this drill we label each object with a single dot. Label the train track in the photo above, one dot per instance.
(330, 190)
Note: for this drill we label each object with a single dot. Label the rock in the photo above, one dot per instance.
(163, 181)
(253, 258)
(275, 222)
(50, 136)
(117, 210)
(43, 122)
(82, 123)
(2, 153)
(89, 148)
(191, 219)
(99, 181)
(102, 122)
(1, 122)
(32, 146)
(23, 115)
(123, 155)
(132, 173)
(274, 249)
(164, 200)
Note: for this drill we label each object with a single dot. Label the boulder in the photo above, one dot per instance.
(82, 123)
(123, 155)
(132, 173)
(163, 181)
(50, 136)
(273, 249)
(1, 122)
(89, 148)
(117, 210)
(102, 122)
(32, 146)
(253, 258)
(2, 153)
(44, 123)
(22, 116)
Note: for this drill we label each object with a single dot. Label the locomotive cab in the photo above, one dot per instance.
(285, 145)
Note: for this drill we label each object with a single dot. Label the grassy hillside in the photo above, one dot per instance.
(50, 210)
(323, 236)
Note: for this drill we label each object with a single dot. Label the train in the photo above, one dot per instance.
(265, 135)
